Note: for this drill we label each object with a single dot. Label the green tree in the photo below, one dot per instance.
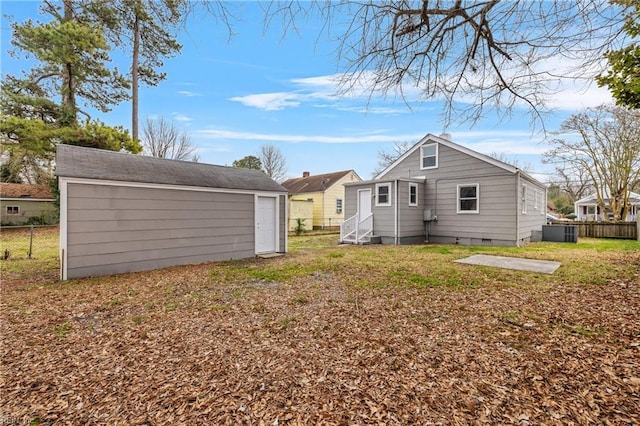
(623, 75)
(73, 55)
(248, 162)
(146, 30)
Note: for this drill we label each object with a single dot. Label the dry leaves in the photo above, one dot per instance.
(178, 347)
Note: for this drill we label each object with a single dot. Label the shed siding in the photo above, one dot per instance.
(116, 229)
(282, 224)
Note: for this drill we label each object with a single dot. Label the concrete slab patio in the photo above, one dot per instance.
(542, 266)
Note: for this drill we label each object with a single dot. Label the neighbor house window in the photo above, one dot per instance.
(429, 156)
(338, 205)
(413, 194)
(469, 198)
(591, 209)
(523, 197)
(13, 210)
(383, 194)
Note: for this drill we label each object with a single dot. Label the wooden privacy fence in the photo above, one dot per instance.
(625, 230)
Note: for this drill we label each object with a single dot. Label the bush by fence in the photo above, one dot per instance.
(29, 242)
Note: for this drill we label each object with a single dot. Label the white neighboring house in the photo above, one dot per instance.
(587, 208)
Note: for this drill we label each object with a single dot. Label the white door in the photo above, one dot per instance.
(364, 203)
(266, 225)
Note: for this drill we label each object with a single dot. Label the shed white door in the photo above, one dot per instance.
(364, 203)
(266, 225)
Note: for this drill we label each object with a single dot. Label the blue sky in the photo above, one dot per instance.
(232, 95)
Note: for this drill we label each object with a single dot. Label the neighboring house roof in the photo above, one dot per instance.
(315, 183)
(91, 163)
(430, 138)
(25, 191)
(634, 198)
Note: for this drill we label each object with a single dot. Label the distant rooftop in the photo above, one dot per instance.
(23, 190)
(313, 183)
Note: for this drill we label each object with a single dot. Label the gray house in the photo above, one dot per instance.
(123, 213)
(439, 191)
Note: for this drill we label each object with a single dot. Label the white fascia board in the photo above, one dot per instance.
(86, 181)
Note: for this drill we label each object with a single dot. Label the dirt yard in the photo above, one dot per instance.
(331, 335)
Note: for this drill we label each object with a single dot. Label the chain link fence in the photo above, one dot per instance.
(29, 242)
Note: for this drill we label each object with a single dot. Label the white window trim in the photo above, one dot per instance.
(413, 185)
(341, 206)
(388, 203)
(536, 197)
(12, 207)
(422, 156)
(523, 198)
(477, 210)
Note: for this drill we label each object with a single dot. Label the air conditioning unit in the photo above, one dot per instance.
(560, 233)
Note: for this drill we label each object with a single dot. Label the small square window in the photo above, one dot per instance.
(413, 194)
(383, 194)
(468, 198)
(429, 156)
(13, 210)
(338, 205)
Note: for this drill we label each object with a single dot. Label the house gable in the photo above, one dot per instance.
(414, 154)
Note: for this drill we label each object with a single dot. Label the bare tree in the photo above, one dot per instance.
(386, 158)
(604, 143)
(473, 55)
(161, 139)
(571, 179)
(273, 162)
(512, 161)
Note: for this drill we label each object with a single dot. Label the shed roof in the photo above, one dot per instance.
(314, 183)
(91, 163)
(26, 191)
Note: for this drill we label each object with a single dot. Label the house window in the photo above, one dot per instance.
(383, 194)
(13, 210)
(536, 196)
(338, 205)
(523, 197)
(591, 209)
(469, 198)
(429, 156)
(413, 194)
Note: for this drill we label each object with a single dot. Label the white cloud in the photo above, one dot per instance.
(269, 101)
(181, 117)
(188, 93)
(372, 137)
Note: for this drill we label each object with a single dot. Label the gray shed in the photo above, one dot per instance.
(123, 213)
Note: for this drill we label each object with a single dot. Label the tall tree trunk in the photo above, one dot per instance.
(68, 89)
(134, 72)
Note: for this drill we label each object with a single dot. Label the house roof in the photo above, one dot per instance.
(314, 183)
(634, 198)
(26, 191)
(430, 138)
(91, 163)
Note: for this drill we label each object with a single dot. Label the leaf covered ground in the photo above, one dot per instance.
(332, 335)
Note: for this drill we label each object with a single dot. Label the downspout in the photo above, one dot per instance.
(395, 196)
(518, 209)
